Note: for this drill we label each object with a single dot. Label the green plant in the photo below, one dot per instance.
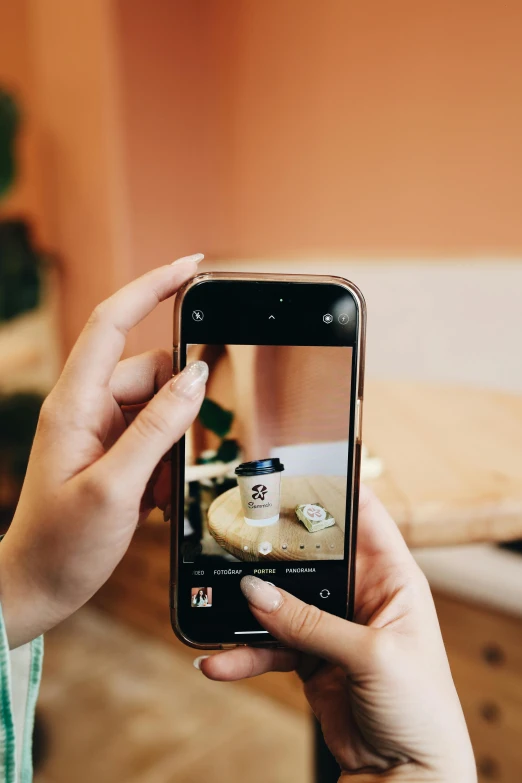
(219, 420)
(9, 123)
(18, 419)
(19, 270)
(20, 264)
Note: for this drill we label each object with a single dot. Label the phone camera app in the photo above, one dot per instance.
(265, 472)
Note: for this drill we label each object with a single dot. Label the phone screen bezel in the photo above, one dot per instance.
(279, 283)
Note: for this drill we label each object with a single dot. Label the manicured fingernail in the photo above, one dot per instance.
(166, 513)
(196, 663)
(196, 258)
(261, 594)
(190, 383)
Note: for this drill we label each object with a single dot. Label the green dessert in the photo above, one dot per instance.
(314, 517)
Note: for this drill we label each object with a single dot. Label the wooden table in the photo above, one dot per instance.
(288, 539)
(452, 461)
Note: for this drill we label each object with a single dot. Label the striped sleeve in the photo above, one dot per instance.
(20, 672)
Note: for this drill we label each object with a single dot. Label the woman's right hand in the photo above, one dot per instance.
(96, 466)
(380, 687)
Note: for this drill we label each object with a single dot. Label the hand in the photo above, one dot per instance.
(381, 687)
(96, 465)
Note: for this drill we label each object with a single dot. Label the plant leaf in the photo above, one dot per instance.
(19, 269)
(215, 418)
(228, 451)
(18, 419)
(9, 121)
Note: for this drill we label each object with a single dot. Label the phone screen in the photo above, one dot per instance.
(268, 466)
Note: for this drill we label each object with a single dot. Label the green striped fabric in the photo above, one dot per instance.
(19, 684)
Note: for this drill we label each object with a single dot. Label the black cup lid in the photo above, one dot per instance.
(260, 467)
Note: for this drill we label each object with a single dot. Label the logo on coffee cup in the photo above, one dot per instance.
(259, 491)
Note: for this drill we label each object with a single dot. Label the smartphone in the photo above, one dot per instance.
(266, 480)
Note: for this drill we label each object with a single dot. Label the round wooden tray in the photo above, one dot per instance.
(288, 539)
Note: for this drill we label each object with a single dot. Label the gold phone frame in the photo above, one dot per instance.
(178, 484)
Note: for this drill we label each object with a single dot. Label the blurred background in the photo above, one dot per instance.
(376, 140)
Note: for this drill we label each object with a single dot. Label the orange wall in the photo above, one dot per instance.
(292, 126)
(177, 92)
(242, 128)
(76, 75)
(60, 59)
(16, 75)
(384, 128)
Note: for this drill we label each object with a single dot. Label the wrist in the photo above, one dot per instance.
(12, 604)
(24, 612)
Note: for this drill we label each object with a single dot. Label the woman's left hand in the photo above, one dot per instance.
(96, 464)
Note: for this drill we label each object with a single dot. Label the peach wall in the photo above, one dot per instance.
(282, 128)
(177, 99)
(356, 128)
(76, 75)
(292, 128)
(16, 75)
(61, 59)
(379, 128)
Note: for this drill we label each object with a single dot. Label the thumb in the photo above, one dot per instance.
(305, 627)
(157, 427)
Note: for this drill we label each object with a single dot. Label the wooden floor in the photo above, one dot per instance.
(119, 705)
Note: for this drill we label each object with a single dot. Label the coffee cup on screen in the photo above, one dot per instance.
(260, 489)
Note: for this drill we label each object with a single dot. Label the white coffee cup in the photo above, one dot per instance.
(260, 489)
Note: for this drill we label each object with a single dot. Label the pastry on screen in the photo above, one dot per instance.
(314, 516)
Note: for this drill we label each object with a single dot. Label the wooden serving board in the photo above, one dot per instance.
(288, 538)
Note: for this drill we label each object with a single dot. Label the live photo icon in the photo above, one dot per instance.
(328, 318)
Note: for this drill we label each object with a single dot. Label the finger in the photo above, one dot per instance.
(137, 379)
(158, 491)
(147, 502)
(159, 425)
(377, 532)
(161, 490)
(304, 627)
(100, 345)
(245, 662)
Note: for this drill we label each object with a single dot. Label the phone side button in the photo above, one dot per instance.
(358, 421)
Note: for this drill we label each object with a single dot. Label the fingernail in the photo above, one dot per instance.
(190, 383)
(196, 663)
(166, 513)
(261, 594)
(196, 258)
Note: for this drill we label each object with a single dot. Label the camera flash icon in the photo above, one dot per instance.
(328, 318)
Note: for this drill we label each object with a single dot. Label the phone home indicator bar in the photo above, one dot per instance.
(240, 633)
